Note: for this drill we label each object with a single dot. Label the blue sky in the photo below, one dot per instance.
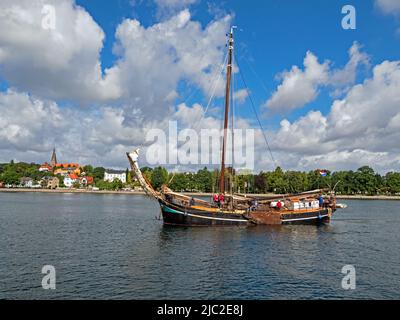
(113, 67)
(272, 36)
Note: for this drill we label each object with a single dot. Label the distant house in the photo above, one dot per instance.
(50, 182)
(68, 182)
(67, 168)
(26, 182)
(70, 179)
(45, 167)
(86, 181)
(111, 175)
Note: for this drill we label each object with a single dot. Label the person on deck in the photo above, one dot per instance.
(221, 199)
(279, 205)
(321, 201)
(332, 202)
(192, 202)
(254, 205)
(215, 198)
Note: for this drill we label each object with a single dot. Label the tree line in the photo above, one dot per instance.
(362, 181)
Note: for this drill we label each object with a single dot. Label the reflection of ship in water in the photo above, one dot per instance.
(229, 209)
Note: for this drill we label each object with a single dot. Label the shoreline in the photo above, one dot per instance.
(16, 190)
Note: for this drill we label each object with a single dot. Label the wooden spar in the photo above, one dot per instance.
(227, 91)
(148, 189)
(166, 190)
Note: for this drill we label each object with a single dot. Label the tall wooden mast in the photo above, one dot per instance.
(227, 96)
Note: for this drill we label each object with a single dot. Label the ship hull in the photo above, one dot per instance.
(176, 215)
(179, 216)
(321, 216)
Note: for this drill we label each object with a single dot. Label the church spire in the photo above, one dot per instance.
(53, 158)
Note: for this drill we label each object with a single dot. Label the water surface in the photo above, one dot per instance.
(112, 247)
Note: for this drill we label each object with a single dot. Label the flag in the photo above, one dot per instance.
(323, 173)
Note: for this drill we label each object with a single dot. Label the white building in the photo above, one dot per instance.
(68, 181)
(26, 182)
(111, 175)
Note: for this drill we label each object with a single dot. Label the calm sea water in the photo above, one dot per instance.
(112, 247)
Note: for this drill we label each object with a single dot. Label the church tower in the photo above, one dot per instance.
(53, 158)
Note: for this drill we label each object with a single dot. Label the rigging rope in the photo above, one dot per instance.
(256, 114)
(263, 85)
(194, 92)
(214, 89)
(216, 81)
(259, 123)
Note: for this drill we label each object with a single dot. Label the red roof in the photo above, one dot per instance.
(89, 180)
(46, 165)
(67, 165)
(73, 176)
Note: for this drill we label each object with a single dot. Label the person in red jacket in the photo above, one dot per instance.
(279, 205)
(221, 199)
(216, 200)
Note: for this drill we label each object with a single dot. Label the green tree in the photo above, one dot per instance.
(98, 173)
(76, 185)
(147, 173)
(159, 177)
(129, 177)
(61, 181)
(277, 182)
(88, 169)
(296, 181)
(317, 181)
(245, 183)
(192, 182)
(10, 177)
(392, 182)
(204, 180)
(117, 184)
(366, 181)
(340, 181)
(260, 183)
(179, 182)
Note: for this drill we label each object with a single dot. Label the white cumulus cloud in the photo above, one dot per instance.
(300, 87)
(363, 126)
(154, 60)
(389, 6)
(59, 63)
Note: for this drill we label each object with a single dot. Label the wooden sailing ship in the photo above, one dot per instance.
(236, 209)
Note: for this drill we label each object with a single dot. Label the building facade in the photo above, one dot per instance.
(45, 167)
(50, 182)
(111, 175)
(26, 182)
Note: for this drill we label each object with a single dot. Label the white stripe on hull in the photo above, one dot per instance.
(310, 218)
(210, 218)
